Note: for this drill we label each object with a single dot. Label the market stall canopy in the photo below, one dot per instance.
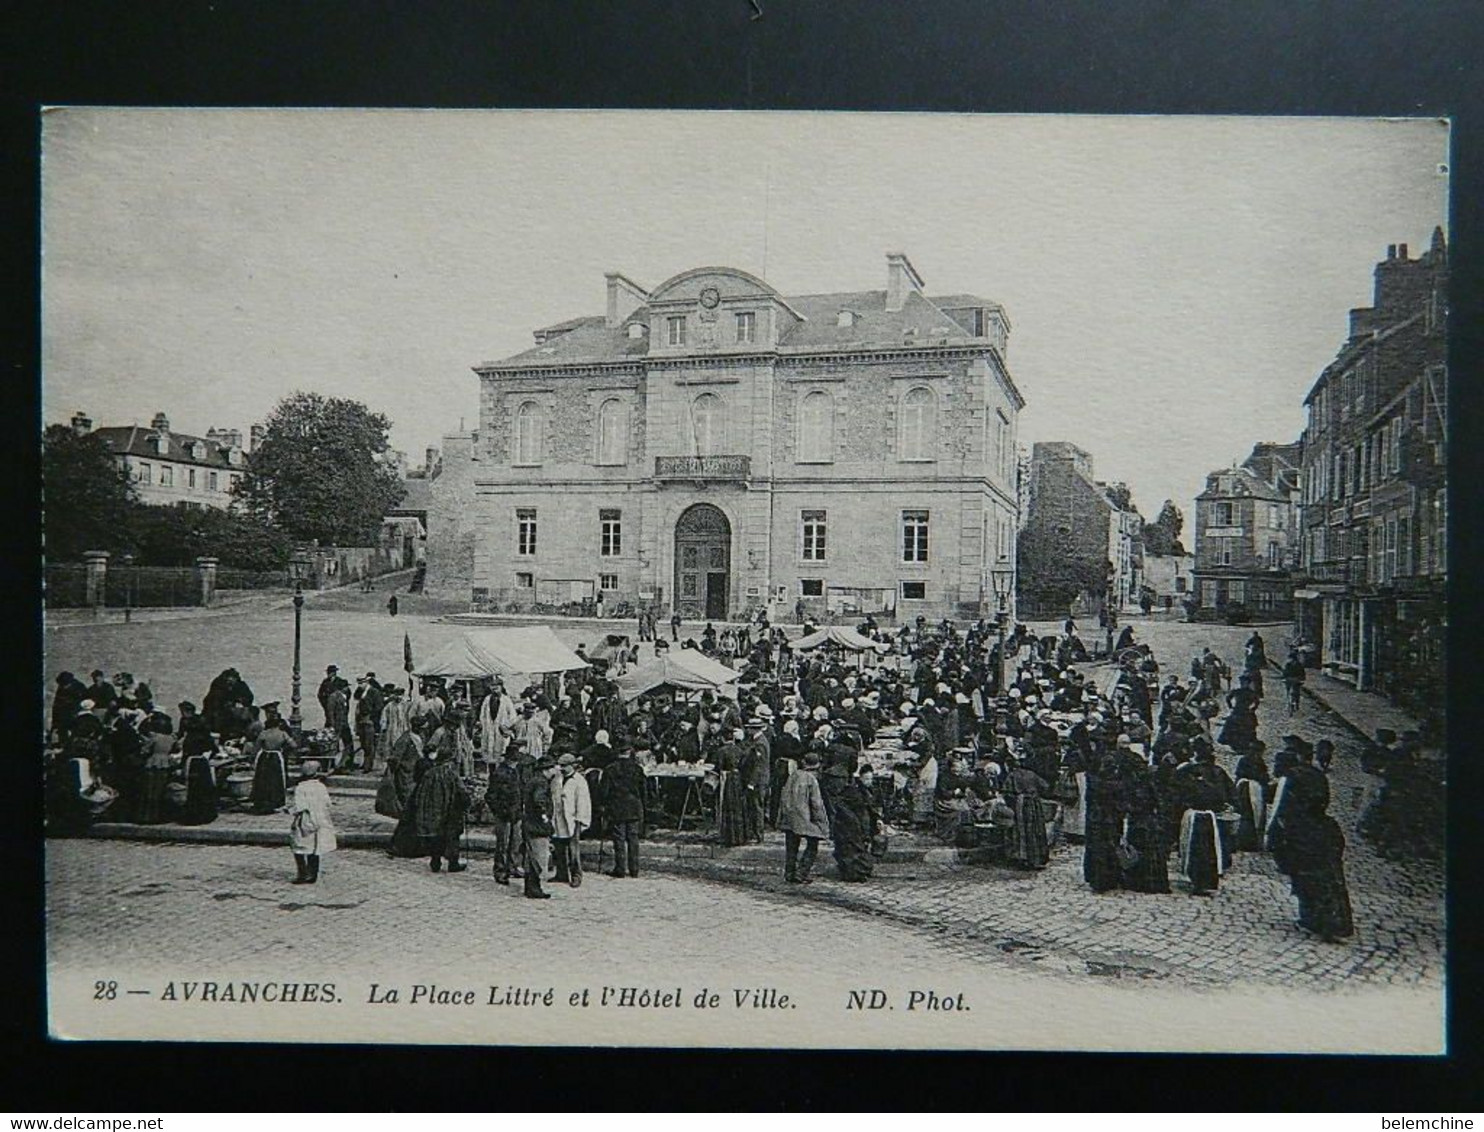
(688, 669)
(531, 651)
(608, 647)
(841, 636)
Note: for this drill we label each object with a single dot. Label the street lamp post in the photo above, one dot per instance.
(298, 568)
(1002, 578)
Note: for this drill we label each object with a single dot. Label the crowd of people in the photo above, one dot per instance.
(1136, 765)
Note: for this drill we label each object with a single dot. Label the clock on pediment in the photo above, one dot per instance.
(710, 297)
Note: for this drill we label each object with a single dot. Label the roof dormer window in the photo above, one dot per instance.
(845, 318)
(198, 450)
(635, 331)
(162, 445)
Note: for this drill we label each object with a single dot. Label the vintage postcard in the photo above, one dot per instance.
(746, 579)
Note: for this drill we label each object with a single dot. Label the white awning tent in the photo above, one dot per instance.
(842, 637)
(479, 653)
(687, 669)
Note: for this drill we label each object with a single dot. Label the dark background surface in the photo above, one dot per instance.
(1253, 57)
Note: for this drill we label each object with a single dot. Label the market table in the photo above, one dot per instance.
(693, 774)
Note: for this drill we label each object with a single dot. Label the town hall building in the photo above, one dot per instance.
(716, 446)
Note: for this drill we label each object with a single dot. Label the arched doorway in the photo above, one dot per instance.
(703, 562)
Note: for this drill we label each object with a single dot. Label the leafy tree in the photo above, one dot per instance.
(87, 496)
(318, 474)
(1053, 572)
(1120, 496)
(177, 536)
(1163, 535)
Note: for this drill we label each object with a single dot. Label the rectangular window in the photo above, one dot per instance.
(1002, 445)
(1224, 551)
(914, 591)
(167, 475)
(1236, 591)
(811, 587)
(914, 536)
(607, 581)
(1179, 585)
(746, 327)
(675, 330)
(479, 595)
(1265, 600)
(211, 480)
(1404, 547)
(1221, 514)
(1275, 555)
(1275, 516)
(525, 581)
(525, 531)
(611, 524)
(190, 477)
(1208, 595)
(232, 482)
(812, 525)
(1397, 424)
(146, 473)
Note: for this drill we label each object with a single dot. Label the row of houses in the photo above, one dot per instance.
(1345, 530)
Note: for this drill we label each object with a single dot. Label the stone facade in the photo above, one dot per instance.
(716, 445)
(1072, 520)
(172, 468)
(1374, 497)
(1246, 537)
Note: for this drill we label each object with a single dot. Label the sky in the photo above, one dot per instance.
(1174, 284)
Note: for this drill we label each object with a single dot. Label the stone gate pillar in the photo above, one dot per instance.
(206, 575)
(97, 579)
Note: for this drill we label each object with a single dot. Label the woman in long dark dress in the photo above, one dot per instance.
(1107, 806)
(1310, 848)
(731, 802)
(197, 745)
(1148, 834)
(270, 780)
(1024, 789)
(406, 840)
(855, 829)
(1239, 731)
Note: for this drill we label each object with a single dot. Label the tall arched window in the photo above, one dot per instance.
(528, 426)
(816, 429)
(918, 426)
(708, 424)
(613, 427)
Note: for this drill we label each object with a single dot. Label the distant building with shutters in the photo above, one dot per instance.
(173, 468)
(715, 446)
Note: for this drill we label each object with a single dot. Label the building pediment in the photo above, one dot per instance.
(728, 284)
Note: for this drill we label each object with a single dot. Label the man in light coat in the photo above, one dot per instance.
(496, 723)
(533, 731)
(801, 816)
(572, 812)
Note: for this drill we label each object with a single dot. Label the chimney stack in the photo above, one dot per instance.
(82, 424)
(1401, 251)
(255, 437)
(160, 423)
(901, 280)
(430, 458)
(624, 298)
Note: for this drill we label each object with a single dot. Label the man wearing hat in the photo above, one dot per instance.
(326, 686)
(537, 824)
(801, 815)
(572, 812)
(502, 797)
(756, 771)
(369, 704)
(623, 805)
